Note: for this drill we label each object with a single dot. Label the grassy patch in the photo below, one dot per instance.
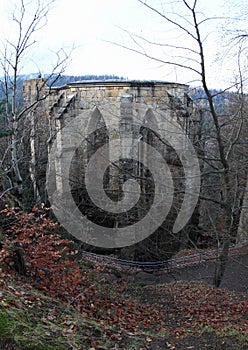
(33, 321)
(30, 320)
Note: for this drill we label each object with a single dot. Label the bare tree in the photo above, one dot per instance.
(225, 131)
(25, 27)
(237, 39)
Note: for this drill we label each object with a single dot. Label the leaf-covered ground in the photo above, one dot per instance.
(64, 302)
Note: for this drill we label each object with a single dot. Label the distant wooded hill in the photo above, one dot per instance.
(221, 99)
(62, 80)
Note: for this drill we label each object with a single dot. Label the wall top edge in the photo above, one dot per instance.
(127, 83)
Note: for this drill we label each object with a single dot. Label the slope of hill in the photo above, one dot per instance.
(63, 301)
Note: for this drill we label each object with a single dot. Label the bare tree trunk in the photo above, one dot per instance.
(14, 144)
(242, 235)
(220, 266)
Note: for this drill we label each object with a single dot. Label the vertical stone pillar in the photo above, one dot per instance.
(33, 89)
(126, 126)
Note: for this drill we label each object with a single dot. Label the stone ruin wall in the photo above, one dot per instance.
(113, 105)
(113, 102)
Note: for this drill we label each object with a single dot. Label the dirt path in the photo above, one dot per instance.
(235, 277)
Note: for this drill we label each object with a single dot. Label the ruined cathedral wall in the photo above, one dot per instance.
(116, 109)
(37, 127)
(75, 99)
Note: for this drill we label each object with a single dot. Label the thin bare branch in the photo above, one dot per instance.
(176, 24)
(154, 58)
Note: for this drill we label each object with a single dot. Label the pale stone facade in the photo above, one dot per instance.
(106, 111)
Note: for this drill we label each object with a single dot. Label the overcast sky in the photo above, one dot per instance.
(90, 24)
